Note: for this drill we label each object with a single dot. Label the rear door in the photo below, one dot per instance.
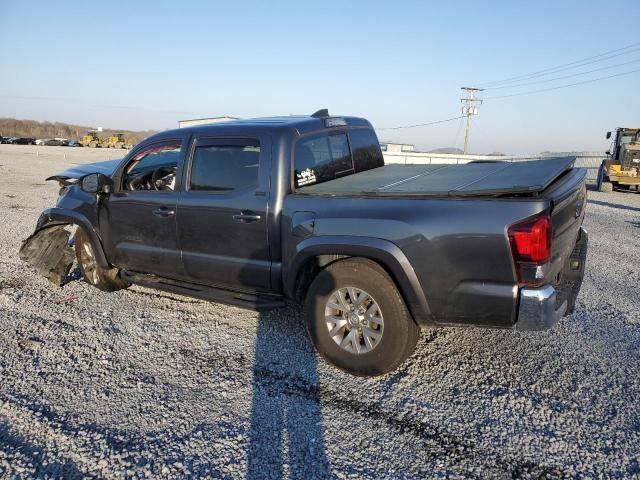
(222, 213)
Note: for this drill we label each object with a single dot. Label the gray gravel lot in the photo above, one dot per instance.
(141, 383)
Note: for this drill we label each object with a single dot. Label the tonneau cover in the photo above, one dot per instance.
(469, 179)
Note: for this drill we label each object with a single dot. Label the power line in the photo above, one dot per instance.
(568, 66)
(563, 86)
(422, 124)
(564, 76)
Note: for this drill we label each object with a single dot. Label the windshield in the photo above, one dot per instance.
(629, 137)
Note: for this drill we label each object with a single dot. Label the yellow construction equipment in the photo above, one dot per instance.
(116, 140)
(91, 139)
(622, 168)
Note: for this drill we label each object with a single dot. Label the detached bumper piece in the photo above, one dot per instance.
(49, 253)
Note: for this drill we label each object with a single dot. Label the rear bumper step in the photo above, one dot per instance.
(538, 310)
(541, 308)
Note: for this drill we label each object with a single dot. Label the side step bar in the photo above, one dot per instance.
(251, 301)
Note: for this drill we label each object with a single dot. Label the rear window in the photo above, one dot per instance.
(322, 158)
(366, 150)
(325, 157)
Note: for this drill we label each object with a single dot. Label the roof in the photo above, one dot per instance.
(294, 124)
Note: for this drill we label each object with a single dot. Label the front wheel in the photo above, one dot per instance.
(357, 319)
(105, 279)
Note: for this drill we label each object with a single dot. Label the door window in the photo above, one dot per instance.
(223, 168)
(153, 167)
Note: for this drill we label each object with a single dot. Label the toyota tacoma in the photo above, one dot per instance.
(258, 212)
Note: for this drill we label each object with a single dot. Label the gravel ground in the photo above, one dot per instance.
(141, 383)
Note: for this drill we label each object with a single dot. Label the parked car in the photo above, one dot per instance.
(55, 142)
(8, 140)
(73, 143)
(23, 141)
(257, 212)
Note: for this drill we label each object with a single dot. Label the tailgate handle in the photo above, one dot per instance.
(246, 216)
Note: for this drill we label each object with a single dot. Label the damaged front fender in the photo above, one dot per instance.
(48, 251)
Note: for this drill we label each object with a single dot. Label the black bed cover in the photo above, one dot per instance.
(495, 178)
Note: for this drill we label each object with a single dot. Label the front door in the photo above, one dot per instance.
(222, 213)
(140, 216)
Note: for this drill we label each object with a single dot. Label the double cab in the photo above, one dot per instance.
(259, 212)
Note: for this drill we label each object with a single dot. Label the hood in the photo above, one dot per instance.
(107, 167)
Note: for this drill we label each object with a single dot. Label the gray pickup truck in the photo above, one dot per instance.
(257, 212)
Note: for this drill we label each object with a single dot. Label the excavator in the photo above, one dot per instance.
(622, 167)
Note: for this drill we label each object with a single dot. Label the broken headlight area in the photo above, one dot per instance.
(49, 251)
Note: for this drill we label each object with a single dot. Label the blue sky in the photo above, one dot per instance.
(141, 65)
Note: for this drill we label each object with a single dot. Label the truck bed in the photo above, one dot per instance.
(472, 179)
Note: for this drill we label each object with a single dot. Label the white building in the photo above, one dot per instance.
(397, 147)
(203, 121)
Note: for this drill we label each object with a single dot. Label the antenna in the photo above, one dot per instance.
(322, 113)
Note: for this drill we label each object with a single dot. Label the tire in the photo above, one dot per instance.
(603, 183)
(606, 187)
(107, 280)
(363, 345)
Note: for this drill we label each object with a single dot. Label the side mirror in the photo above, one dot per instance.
(608, 152)
(96, 183)
(608, 135)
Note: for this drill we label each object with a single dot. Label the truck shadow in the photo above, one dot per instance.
(287, 432)
(286, 437)
(614, 205)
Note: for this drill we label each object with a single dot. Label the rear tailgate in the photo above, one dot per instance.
(568, 201)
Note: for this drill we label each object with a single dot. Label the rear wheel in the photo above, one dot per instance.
(357, 319)
(106, 279)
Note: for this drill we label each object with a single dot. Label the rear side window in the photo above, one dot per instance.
(224, 167)
(322, 158)
(366, 150)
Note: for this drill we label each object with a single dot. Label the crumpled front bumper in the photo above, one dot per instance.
(49, 252)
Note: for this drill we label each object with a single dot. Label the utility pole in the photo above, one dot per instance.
(469, 108)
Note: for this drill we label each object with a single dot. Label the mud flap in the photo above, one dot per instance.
(48, 251)
(572, 273)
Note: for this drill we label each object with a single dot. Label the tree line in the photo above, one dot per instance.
(11, 127)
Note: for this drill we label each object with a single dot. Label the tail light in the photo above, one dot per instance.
(530, 242)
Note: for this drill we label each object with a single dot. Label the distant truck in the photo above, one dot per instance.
(622, 168)
(257, 212)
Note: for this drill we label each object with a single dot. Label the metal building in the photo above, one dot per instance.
(203, 121)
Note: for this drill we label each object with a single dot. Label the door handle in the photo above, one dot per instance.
(164, 212)
(246, 216)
